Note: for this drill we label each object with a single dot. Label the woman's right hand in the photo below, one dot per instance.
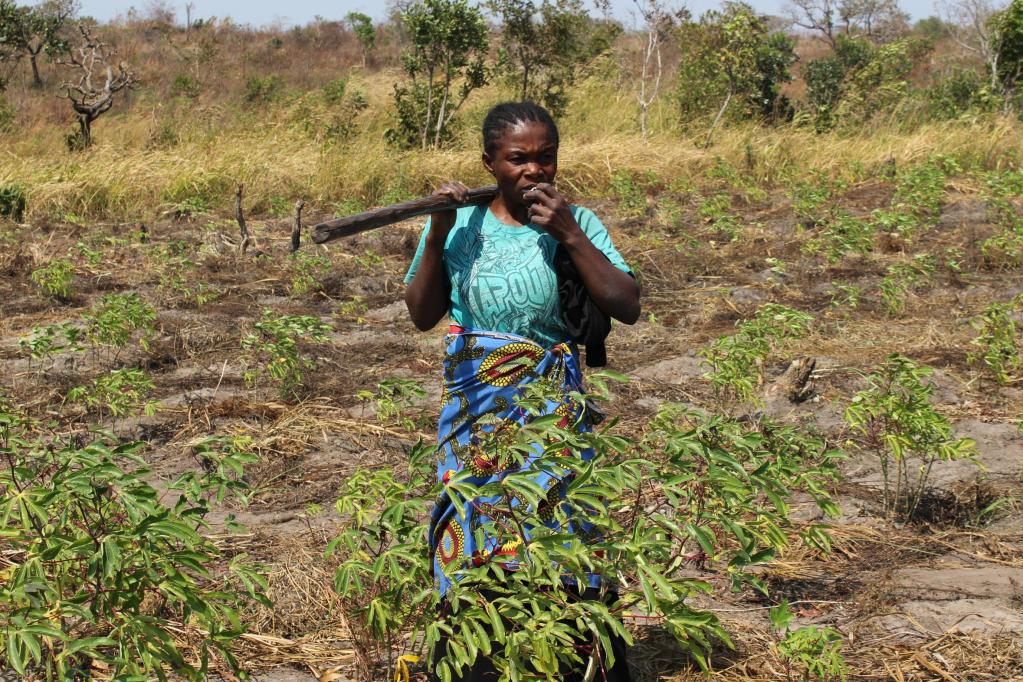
(441, 222)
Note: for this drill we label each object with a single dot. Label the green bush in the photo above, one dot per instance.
(98, 574)
(263, 89)
(817, 651)
(901, 279)
(715, 495)
(117, 393)
(186, 85)
(959, 92)
(12, 202)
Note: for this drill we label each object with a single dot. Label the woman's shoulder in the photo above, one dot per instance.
(587, 219)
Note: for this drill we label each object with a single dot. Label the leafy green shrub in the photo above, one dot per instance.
(12, 202)
(186, 85)
(737, 361)
(115, 319)
(843, 294)
(117, 393)
(818, 651)
(960, 91)
(274, 351)
(920, 189)
(99, 574)
(715, 494)
(331, 115)
(716, 211)
(55, 278)
(263, 89)
(1004, 249)
(895, 421)
(997, 346)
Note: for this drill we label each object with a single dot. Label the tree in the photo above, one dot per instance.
(365, 32)
(815, 15)
(543, 45)
(730, 56)
(972, 29)
(449, 43)
(90, 61)
(1007, 43)
(34, 31)
(658, 21)
(876, 20)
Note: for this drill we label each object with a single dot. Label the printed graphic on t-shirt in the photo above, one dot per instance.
(509, 284)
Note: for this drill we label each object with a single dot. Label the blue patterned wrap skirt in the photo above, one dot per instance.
(484, 373)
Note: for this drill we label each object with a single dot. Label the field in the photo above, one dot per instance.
(862, 285)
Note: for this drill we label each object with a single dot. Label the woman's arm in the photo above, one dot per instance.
(615, 292)
(429, 293)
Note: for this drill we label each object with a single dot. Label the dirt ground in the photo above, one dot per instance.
(941, 599)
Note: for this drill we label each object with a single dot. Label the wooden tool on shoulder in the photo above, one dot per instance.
(354, 224)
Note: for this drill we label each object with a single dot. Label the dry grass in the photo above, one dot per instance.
(131, 175)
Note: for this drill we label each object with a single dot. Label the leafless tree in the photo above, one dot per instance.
(92, 94)
(658, 20)
(815, 15)
(878, 20)
(973, 31)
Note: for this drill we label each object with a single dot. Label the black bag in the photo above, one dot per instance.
(587, 324)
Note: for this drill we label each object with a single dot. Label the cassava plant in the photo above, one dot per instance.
(997, 342)
(273, 350)
(737, 361)
(44, 342)
(895, 421)
(394, 399)
(695, 490)
(116, 318)
(55, 279)
(117, 393)
(99, 576)
(816, 652)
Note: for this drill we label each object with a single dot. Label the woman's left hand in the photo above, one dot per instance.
(549, 210)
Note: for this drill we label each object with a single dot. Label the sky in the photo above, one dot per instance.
(303, 11)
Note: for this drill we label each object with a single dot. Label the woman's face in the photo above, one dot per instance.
(524, 156)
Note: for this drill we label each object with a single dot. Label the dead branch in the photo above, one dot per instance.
(296, 230)
(240, 217)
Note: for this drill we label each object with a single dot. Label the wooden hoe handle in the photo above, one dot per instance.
(354, 224)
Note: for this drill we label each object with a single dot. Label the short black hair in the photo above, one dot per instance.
(507, 114)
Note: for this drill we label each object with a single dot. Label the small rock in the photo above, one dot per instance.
(747, 295)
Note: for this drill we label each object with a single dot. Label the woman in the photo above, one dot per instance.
(491, 269)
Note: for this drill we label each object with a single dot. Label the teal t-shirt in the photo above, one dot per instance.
(502, 276)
